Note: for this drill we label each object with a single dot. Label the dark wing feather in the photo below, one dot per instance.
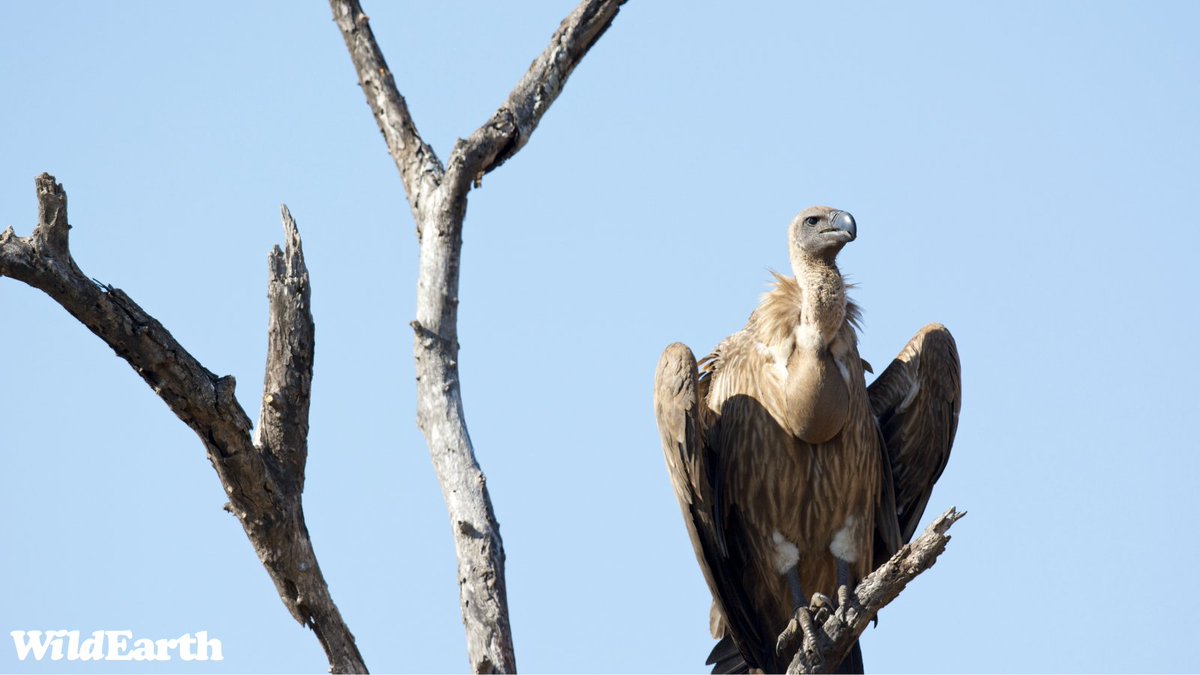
(726, 658)
(888, 535)
(693, 465)
(916, 400)
(678, 407)
(743, 432)
(679, 393)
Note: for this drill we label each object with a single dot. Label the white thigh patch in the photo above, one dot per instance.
(845, 543)
(786, 553)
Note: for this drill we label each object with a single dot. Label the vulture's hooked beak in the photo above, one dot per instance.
(840, 221)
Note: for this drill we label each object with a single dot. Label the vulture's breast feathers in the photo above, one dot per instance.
(800, 343)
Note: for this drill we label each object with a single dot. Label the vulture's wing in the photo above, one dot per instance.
(678, 407)
(916, 400)
(743, 432)
(888, 535)
(692, 464)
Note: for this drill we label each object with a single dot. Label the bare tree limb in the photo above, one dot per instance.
(262, 480)
(420, 169)
(513, 123)
(438, 199)
(825, 641)
(287, 387)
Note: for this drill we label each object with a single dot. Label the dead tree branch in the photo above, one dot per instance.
(287, 385)
(438, 199)
(826, 638)
(263, 477)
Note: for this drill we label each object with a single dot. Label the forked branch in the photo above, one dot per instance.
(262, 477)
(514, 121)
(437, 196)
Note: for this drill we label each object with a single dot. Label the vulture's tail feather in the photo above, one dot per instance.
(726, 658)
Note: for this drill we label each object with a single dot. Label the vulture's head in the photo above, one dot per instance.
(820, 232)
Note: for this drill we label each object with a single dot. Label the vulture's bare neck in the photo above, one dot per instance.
(822, 298)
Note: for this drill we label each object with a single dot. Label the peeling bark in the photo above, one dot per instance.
(264, 476)
(437, 196)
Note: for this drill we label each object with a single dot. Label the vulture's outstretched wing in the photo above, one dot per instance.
(916, 400)
(683, 423)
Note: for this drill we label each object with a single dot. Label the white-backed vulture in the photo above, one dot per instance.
(794, 477)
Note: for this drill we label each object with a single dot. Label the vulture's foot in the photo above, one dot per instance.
(844, 596)
(849, 606)
(800, 632)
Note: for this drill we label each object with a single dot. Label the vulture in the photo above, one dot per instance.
(793, 476)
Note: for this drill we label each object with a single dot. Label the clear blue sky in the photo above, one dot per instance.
(1025, 173)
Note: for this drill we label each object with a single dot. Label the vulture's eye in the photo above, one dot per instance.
(811, 220)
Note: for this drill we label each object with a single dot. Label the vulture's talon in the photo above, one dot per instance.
(820, 601)
(786, 643)
(849, 605)
(800, 632)
(845, 597)
(822, 615)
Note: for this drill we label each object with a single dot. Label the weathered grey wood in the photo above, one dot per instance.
(287, 386)
(513, 123)
(825, 641)
(437, 197)
(420, 169)
(263, 479)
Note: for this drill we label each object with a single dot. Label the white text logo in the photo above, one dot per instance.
(113, 645)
